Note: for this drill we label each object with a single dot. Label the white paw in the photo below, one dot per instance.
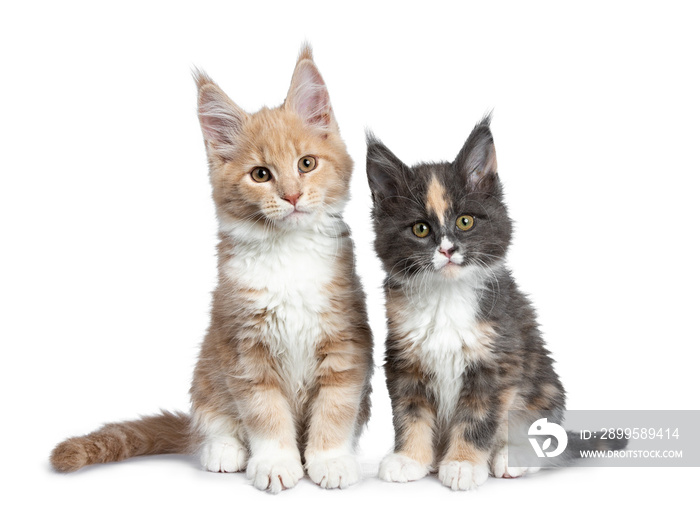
(400, 468)
(332, 470)
(462, 475)
(500, 468)
(276, 472)
(224, 455)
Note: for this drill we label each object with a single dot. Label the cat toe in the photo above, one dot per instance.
(331, 471)
(462, 475)
(226, 455)
(274, 473)
(401, 469)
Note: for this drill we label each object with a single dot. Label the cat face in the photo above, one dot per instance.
(442, 220)
(280, 168)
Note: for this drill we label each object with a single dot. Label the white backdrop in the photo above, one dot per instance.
(108, 232)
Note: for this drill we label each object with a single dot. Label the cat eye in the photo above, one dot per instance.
(261, 174)
(421, 229)
(307, 164)
(465, 222)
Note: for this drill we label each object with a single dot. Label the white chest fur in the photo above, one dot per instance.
(291, 274)
(440, 326)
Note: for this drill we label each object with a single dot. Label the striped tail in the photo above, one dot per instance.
(165, 433)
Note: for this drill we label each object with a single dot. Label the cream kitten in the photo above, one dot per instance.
(283, 378)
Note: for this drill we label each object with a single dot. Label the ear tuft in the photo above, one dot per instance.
(200, 77)
(305, 53)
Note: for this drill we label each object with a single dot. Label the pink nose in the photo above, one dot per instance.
(447, 253)
(292, 198)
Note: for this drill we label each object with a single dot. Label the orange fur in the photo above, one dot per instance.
(459, 449)
(419, 435)
(436, 200)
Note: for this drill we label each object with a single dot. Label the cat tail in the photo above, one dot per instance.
(578, 449)
(164, 433)
(577, 445)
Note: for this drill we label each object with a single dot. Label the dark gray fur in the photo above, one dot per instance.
(522, 361)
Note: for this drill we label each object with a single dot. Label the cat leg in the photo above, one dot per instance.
(464, 465)
(333, 423)
(414, 421)
(519, 451)
(413, 453)
(222, 448)
(499, 464)
(275, 462)
(499, 460)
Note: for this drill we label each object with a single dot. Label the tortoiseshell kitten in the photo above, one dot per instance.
(463, 344)
(284, 372)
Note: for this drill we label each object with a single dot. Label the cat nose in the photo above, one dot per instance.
(292, 198)
(447, 252)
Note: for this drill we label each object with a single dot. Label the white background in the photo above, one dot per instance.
(108, 231)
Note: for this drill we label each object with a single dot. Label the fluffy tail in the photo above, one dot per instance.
(165, 433)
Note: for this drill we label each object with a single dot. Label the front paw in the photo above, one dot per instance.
(332, 469)
(401, 468)
(224, 455)
(275, 472)
(462, 475)
(500, 468)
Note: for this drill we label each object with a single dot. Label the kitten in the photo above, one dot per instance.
(284, 371)
(463, 344)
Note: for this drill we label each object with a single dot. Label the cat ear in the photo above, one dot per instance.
(220, 118)
(307, 95)
(384, 169)
(477, 160)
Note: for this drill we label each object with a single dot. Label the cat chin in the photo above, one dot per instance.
(471, 275)
(295, 218)
(446, 270)
(261, 231)
(450, 271)
(298, 221)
